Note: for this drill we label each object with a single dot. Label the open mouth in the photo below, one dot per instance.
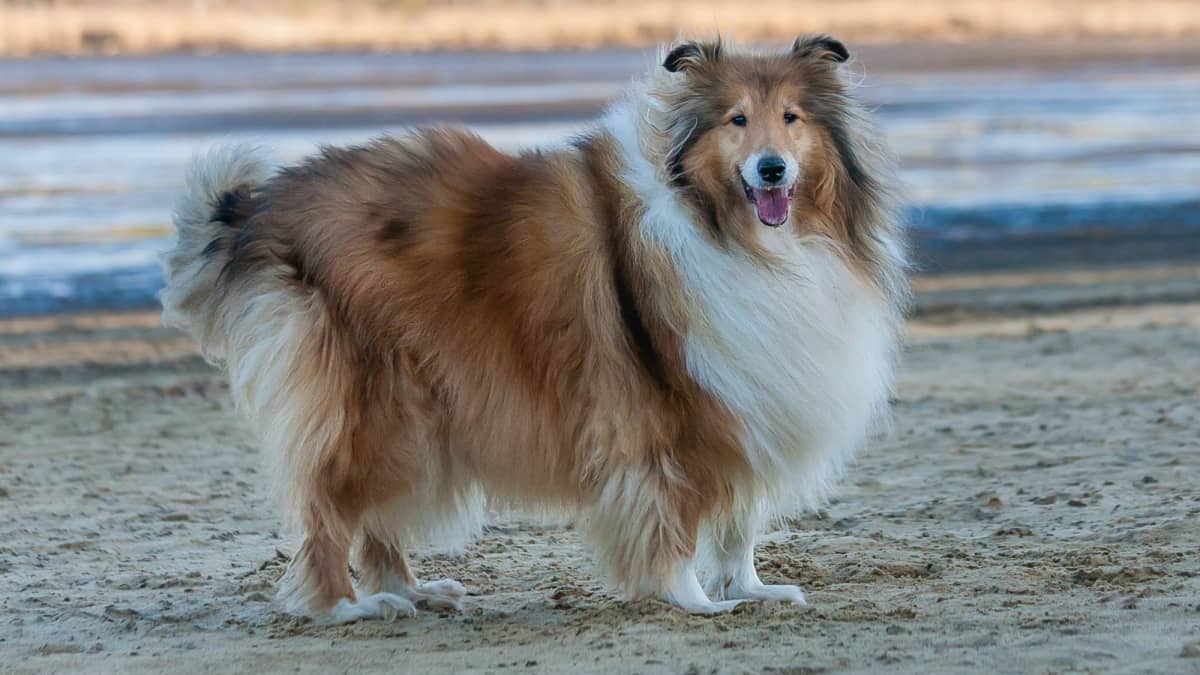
(771, 204)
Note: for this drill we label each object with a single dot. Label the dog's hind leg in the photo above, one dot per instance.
(317, 584)
(347, 467)
(384, 569)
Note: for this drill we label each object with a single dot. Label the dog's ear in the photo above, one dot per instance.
(822, 47)
(691, 56)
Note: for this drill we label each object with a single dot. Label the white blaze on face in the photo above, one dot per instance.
(772, 202)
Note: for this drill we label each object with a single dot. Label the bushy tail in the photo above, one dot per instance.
(206, 222)
(272, 336)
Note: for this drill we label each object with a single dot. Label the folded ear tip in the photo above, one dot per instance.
(675, 58)
(836, 47)
(692, 54)
(824, 47)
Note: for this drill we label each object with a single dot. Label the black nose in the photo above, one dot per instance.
(771, 168)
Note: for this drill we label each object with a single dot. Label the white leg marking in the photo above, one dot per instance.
(443, 595)
(386, 606)
(683, 590)
(741, 582)
(734, 576)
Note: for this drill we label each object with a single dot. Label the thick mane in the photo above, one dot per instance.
(863, 202)
(675, 109)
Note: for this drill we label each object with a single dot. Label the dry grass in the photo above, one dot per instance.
(280, 25)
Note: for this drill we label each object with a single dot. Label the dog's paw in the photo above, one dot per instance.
(444, 595)
(708, 607)
(386, 606)
(759, 591)
(683, 590)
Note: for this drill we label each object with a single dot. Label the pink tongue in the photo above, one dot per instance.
(772, 204)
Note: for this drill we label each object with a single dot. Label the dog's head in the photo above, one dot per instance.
(757, 139)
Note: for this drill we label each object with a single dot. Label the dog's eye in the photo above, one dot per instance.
(788, 118)
(739, 121)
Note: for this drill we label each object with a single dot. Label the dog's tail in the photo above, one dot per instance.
(208, 219)
(244, 305)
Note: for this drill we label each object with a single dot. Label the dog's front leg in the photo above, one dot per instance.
(645, 525)
(731, 558)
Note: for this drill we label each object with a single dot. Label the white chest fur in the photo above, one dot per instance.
(801, 351)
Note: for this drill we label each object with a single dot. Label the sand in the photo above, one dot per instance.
(1035, 509)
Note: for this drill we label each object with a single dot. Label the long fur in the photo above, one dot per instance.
(422, 323)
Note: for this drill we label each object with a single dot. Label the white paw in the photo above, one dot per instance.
(709, 607)
(780, 592)
(446, 594)
(759, 591)
(683, 590)
(386, 606)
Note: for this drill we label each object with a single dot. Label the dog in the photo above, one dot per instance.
(675, 328)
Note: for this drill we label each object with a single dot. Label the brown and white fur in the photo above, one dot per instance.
(423, 325)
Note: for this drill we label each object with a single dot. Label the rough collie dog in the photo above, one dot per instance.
(674, 328)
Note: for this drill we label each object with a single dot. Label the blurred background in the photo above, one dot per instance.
(1034, 509)
(1030, 134)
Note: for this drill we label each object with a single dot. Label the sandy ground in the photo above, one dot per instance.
(1035, 509)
